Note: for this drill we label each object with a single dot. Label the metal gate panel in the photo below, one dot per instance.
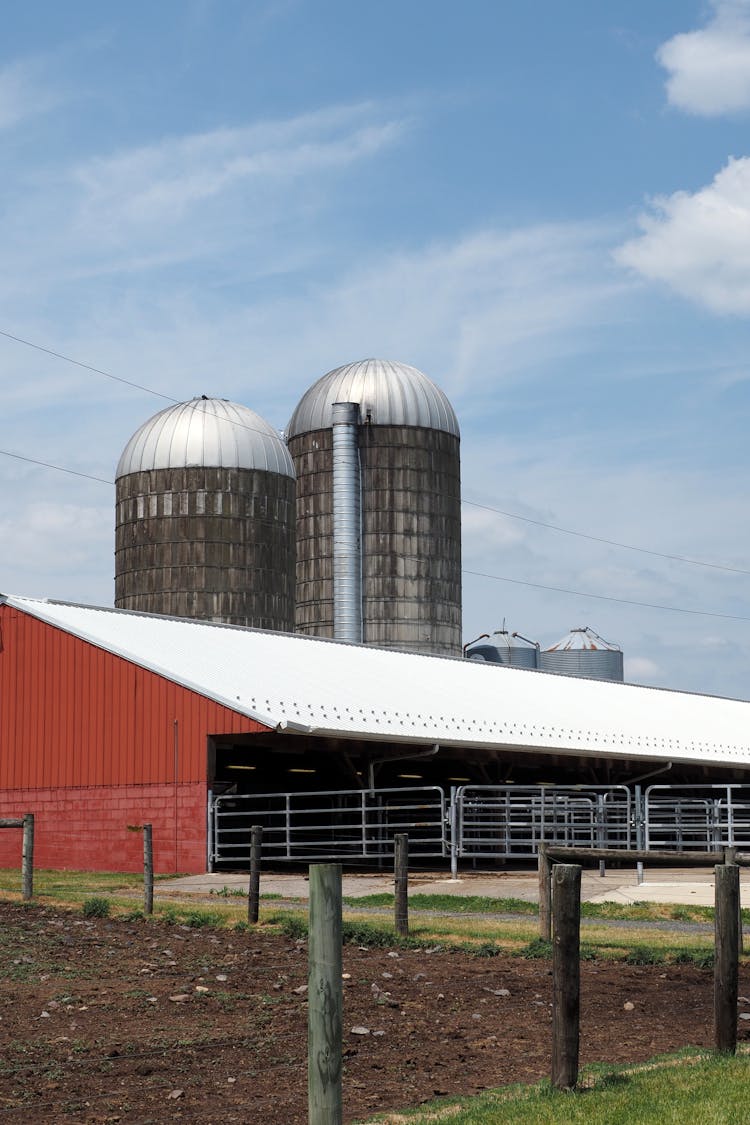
(509, 821)
(330, 824)
(697, 817)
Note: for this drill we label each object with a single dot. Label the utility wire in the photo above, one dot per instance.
(606, 597)
(87, 366)
(473, 573)
(116, 379)
(472, 503)
(57, 468)
(608, 542)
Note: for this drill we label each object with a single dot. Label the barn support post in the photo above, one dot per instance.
(325, 997)
(27, 857)
(545, 893)
(148, 869)
(253, 890)
(726, 956)
(401, 883)
(566, 974)
(453, 829)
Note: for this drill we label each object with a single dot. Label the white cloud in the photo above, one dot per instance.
(699, 244)
(158, 187)
(709, 69)
(223, 197)
(642, 669)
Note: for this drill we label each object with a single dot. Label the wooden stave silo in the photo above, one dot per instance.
(208, 541)
(411, 519)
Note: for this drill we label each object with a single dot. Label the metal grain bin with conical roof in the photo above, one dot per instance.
(583, 653)
(205, 517)
(503, 647)
(375, 446)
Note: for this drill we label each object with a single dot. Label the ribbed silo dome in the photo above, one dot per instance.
(207, 432)
(389, 394)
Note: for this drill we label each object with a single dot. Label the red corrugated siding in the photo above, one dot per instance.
(72, 714)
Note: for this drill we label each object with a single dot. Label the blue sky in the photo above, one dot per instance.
(544, 206)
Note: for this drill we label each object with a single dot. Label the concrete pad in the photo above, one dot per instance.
(678, 885)
(687, 894)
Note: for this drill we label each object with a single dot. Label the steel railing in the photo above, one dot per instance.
(332, 824)
(700, 817)
(489, 822)
(509, 821)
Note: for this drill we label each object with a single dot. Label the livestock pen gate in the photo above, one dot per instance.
(489, 823)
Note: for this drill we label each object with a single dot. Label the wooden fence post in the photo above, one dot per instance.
(253, 890)
(726, 957)
(148, 869)
(401, 883)
(545, 893)
(566, 974)
(27, 857)
(325, 997)
(730, 856)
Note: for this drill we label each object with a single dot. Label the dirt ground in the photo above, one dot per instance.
(107, 1021)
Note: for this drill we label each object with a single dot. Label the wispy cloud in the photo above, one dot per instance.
(189, 197)
(24, 92)
(161, 183)
(709, 69)
(699, 243)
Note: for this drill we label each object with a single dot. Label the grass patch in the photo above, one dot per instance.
(96, 907)
(481, 904)
(667, 1091)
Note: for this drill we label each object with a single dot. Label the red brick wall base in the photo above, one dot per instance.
(86, 829)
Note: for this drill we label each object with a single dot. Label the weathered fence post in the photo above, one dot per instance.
(27, 856)
(730, 856)
(545, 893)
(324, 995)
(148, 869)
(253, 891)
(566, 974)
(401, 882)
(726, 957)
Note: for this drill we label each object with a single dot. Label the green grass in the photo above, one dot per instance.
(481, 904)
(707, 1089)
(96, 907)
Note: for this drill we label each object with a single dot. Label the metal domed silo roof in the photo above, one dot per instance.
(208, 432)
(389, 394)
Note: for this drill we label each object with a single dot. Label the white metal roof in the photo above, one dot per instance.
(293, 682)
(211, 432)
(391, 394)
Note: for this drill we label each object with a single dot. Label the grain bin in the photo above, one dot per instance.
(375, 446)
(583, 653)
(205, 517)
(506, 648)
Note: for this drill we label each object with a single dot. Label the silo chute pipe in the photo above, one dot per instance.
(347, 524)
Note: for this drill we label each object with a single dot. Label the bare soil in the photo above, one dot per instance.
(111, 1021)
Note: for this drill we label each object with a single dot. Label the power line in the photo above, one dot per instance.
(117, 379)
(473, 573)
(606, 597)
(57, 468)
(472, 503)
(608, 542)
(86, 366)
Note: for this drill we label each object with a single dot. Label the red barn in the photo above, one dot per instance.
(110, 719)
